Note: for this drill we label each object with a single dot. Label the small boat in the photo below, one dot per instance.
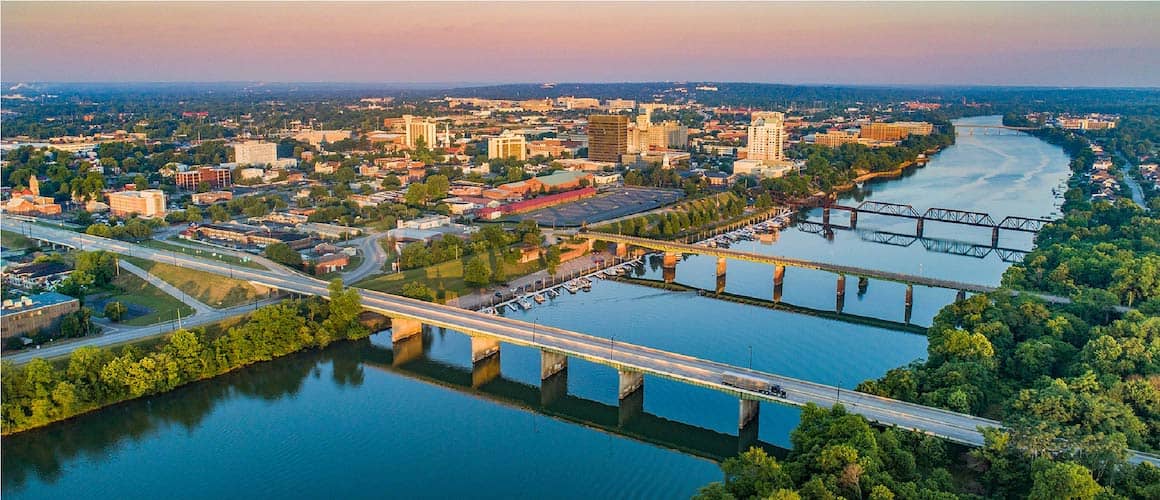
(513, 307)
(572, 287)
(525, 303)
(610, 272)
(539, 298)
(553, 293)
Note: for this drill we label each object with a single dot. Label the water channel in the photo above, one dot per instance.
(346, 423)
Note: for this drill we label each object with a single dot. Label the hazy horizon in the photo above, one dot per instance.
(480, 44)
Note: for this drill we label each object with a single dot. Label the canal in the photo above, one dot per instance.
(345, 422)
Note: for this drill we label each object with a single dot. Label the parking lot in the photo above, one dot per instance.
(608, 205)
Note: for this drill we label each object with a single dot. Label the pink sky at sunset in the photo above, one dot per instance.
(1113, 44)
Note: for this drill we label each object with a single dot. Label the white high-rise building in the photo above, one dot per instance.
(767, 136)
(255, 153)
(507, 145)
(416, 127)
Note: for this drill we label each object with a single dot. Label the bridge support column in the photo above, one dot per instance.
(778, 281)
(553, 377)
(621, 250)
(406, 349)
(552, 363)
(918, 229)
(669, 267)
(994, 236)
(909, 302)
(631, 394)
(825, 216)
(485, 365)
(840, 295)
(747, 424)
(863, 284)
(853, 219)
(721, 274)
(402, 328)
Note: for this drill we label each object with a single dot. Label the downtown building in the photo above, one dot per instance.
(415, 128)
(255, 153)
(607, 137)
(149, 203)
(214, 177)
(767, 136)
(507, 145)
(894, 131)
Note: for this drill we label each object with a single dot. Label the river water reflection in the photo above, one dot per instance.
(346, 423)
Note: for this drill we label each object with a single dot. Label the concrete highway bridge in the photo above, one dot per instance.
(990, 129)
(557, 346)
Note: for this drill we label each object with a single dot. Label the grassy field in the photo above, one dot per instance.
(133, 291)
(208, 252)
(446, 277)
(213, 290)
(15, 241)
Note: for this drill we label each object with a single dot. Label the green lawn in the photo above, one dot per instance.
(446, 277)
(208, 252)
(212, 289)
(129, 289)
(15, 241)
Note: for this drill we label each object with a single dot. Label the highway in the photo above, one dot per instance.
(949, 425)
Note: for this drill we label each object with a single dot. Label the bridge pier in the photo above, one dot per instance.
(747, 424)
(840, 296)
(553, 377)
(995, 237)
(918, 228)
(720, 274)
(631, 396)
(669, 267)
(485, 365)
(778, 281)
(621, 250)
(402, 328)
(825, 216)
(909, 302)
(863, 284)
(854, 219)
(406, 349)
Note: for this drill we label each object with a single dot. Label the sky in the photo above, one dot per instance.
(1052, 44)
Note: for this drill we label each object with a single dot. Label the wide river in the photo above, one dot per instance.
(345, 423)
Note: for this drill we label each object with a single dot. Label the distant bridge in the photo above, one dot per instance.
(938, 214)
(990, 129)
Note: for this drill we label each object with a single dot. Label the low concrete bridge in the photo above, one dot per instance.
(557, 346)
(673, 251)
(990, 129)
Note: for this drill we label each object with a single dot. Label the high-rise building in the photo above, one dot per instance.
(148, 203)
(255, 153)
(767, 136)
(415, 128)
(507, 145)
(607, 137)
(894, 131)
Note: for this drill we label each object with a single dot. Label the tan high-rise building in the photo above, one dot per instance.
(894, 131)
(148, 203)
(507, 145)
(415, 127)
(255, 153)
(607, 137)
(767, 136)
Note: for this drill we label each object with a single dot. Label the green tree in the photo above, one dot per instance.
(477, 273)
(115, 311)
(283, 254)
(416, 194)
(1063, 481)
(437, 186)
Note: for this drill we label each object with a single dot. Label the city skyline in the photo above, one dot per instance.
(871, 44)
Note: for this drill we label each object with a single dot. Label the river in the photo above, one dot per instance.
(345, 423)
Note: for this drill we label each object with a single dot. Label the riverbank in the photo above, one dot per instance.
(38, 393)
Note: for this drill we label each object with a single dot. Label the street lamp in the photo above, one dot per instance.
(611, 346)
(750, 357)
(534, 330)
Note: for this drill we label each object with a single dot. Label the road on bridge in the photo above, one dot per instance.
(949, 425)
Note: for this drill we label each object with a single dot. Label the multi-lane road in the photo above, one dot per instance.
(700, 372)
